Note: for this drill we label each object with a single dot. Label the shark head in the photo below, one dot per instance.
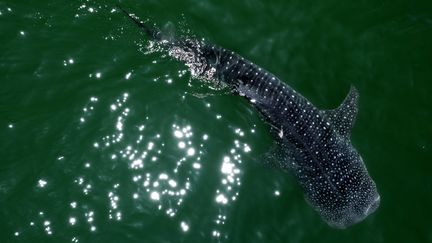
(353, 212)
(352, 199)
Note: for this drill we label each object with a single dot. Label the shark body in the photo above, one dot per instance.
(312, 144)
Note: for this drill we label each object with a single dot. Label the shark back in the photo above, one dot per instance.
(313, 144)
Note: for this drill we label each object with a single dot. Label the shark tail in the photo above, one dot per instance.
(152, 32)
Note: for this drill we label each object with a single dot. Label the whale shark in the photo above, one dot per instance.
(312, 144)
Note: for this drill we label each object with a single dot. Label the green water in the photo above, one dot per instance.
(101, 141)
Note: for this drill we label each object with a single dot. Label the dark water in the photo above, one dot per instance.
(102, 141)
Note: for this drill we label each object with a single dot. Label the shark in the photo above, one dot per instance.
(312, 144)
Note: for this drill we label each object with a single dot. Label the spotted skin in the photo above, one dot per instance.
(312, 144)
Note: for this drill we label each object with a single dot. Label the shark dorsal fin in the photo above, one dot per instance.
(343, 117)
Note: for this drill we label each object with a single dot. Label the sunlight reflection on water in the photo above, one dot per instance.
(165, 188)
(163, 169)
(131, 166)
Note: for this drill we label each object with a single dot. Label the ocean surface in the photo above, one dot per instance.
(104, 140)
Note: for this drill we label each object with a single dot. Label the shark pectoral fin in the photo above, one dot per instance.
(279, 157)
(343, 117)
(286, 156)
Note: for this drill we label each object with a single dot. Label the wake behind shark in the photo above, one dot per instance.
(312, 144)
